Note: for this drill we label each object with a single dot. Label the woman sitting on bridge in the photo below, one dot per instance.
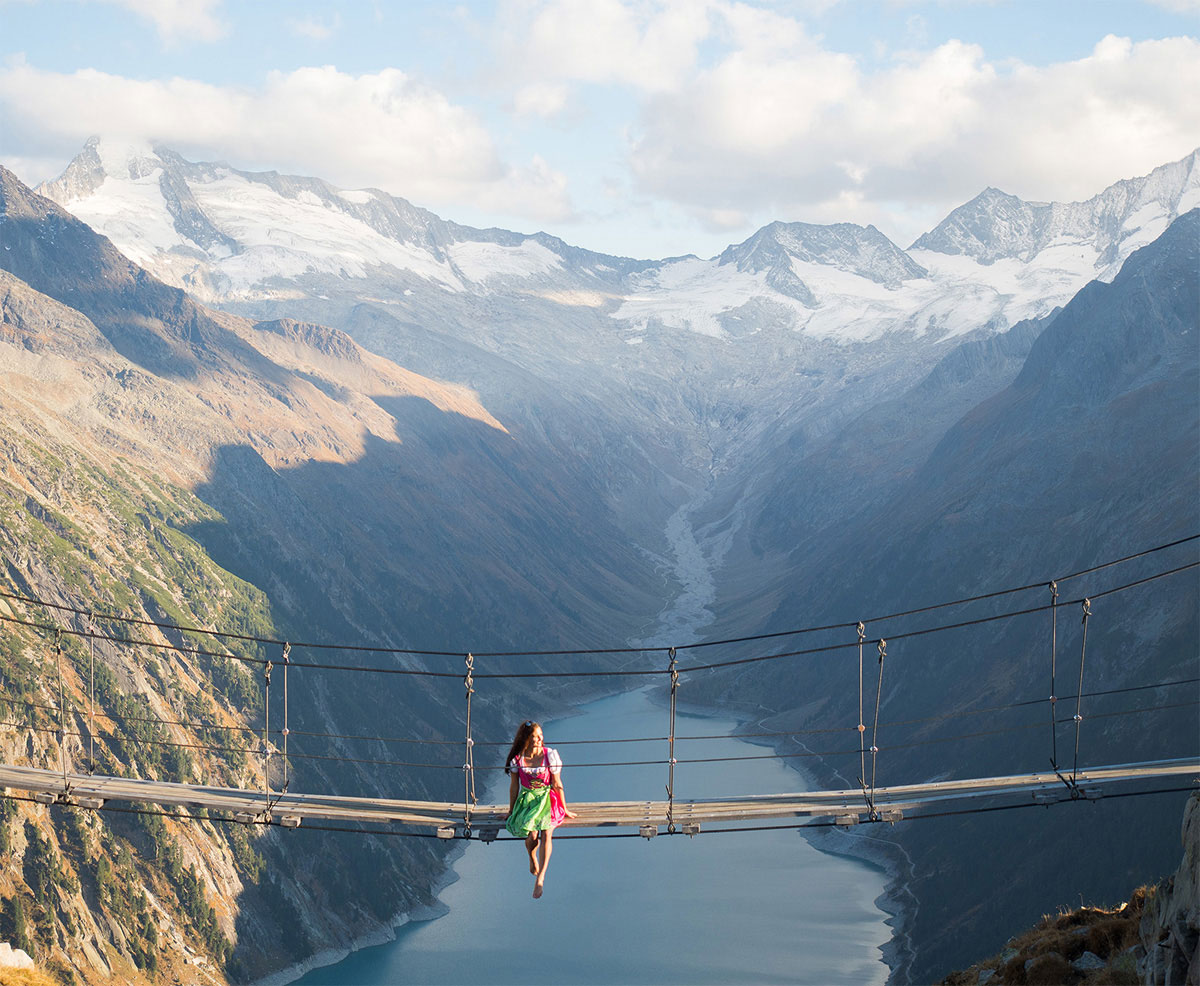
(535, 797)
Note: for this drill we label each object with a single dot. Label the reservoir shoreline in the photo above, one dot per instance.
(384, 934)
(900, 952)
(680, 621)
(795, 914)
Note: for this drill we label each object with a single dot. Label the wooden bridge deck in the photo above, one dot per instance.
(648, 817)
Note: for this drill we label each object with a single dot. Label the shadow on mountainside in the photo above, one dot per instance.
(452, 538)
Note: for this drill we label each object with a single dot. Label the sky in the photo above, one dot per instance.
(644, 128)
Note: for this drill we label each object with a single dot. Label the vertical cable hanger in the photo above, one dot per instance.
(91, 625)
(62, 713)
(875, 730)
(1053, 662)
(862, 729)
(266, 747)
(1072, 782)
(1087, 612)
(287, 659)
(469, 759)
(674, 672)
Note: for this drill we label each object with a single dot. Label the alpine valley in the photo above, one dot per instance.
(262, 404)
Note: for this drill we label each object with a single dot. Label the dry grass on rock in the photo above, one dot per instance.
(1087, 946)
(25, 977)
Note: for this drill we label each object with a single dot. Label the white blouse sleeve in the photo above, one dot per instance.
(554, 760)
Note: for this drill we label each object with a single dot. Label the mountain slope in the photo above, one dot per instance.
(170, 463)
(1092, 452)
(652, 378)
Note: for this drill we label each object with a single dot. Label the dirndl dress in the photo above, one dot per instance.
(538, 806)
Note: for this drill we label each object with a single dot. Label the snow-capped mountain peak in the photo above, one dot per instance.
(1128, 214)
(271, 244)
(225, 234)
(860, 250)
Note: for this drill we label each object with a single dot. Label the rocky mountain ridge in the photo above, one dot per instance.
(796, 329)
(995, 226)
(234, 237)
(843, 246)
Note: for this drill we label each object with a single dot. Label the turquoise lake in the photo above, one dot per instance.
(747, 907)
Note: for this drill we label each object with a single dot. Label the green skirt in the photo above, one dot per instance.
(531, 811)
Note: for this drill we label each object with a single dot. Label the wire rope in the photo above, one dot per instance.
(368, 649)
(552, 673)
(381, 762)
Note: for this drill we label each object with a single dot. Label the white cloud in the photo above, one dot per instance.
(315, 28)
(721, 220)
(176, 20)
(744, 112)
(384, 130)
(779, 126)
(30, 170)
(647, 44)
(540, 99)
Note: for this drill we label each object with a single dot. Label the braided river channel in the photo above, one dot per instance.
(734, 907)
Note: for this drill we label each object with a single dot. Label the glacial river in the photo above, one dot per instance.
(737, 907)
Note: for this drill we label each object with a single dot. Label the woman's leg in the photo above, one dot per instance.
(531, 844)
(547, 848)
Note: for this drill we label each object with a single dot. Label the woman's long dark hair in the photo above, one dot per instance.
(524, 731)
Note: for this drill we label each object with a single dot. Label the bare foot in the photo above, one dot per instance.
(537, 889)
(533, 862)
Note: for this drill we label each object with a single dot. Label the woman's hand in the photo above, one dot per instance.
(567, 813)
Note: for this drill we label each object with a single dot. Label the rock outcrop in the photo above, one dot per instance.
(1152, 939)
(1170, 926)
(14, 958)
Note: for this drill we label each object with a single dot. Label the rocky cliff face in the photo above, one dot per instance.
(1170, 925)
(1153, 939)
(90, 518)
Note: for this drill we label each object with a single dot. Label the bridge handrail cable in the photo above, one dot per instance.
(311, 645)
(556, 673)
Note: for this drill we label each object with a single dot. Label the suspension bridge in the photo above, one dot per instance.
(77, 725)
